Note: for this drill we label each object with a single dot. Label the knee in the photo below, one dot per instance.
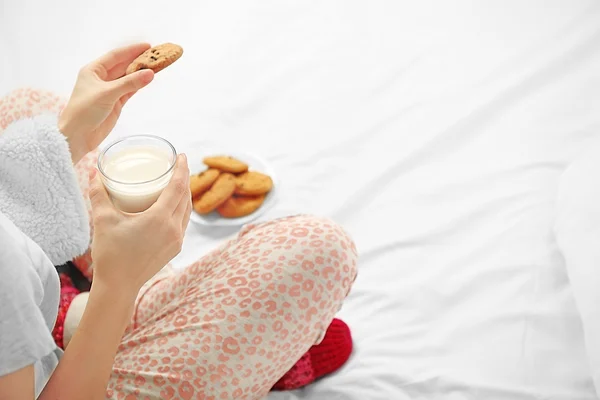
(305, 266)
(26, 103)
(320, 251)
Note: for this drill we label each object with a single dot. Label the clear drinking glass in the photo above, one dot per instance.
(136, 169)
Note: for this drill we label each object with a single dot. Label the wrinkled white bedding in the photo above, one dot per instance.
(435, 131)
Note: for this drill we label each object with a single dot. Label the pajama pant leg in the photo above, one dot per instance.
(26, 103)
(230, 325)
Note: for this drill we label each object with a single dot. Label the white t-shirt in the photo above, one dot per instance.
(29, 294)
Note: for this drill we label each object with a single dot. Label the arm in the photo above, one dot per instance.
(17, 386)
(129, 249)
(85, 368)
(84, 371)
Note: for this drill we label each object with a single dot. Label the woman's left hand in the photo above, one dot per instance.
(101, 91)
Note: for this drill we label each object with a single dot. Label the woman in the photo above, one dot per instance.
(227, 327)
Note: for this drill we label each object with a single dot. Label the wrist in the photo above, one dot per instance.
(119, 296)
(69, 131)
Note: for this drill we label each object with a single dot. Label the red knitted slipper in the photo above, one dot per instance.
(67, 293)
(321, 359)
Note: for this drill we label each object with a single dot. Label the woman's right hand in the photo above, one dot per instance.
(128, 249)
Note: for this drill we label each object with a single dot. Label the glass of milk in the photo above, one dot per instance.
(136, 169)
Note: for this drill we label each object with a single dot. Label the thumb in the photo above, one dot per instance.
(130, 83)
(98, 195)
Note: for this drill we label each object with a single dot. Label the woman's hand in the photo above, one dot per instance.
(128, 249)
(99, 94)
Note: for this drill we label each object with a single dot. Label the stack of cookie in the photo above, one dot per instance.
(229, 188)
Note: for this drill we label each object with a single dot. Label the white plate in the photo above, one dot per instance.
(255, 163)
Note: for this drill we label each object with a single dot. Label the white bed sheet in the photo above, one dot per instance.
(434, 131)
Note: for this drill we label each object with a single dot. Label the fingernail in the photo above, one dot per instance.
(183, 157)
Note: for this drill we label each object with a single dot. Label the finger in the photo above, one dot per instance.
(176, 189)
(186, 215)
(98, 196)
(117, 71)
(120, 55)
(129, 83)
(121, 103)
(180, 210)
(125, 98)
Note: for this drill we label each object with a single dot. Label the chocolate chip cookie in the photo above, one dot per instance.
(156, 58)
(203, 181)
(220, 191)
(226, 164)
(236, 207)
(253, 183)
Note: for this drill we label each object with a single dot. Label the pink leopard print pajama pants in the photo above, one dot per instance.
(230, 325)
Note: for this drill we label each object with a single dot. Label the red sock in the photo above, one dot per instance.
(321, 359)
(67, 293)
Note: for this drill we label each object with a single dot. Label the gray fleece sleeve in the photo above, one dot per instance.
(39, 192)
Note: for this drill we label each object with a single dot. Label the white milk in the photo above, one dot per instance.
(136, 176)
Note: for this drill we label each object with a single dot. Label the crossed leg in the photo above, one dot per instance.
(230, 325)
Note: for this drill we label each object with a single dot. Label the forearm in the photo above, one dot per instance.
(85, 368)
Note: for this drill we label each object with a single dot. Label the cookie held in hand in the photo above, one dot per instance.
(226, 164)
(236, 207)
(253, 183)
(220, 191)
(156, 58)
(203, 181)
